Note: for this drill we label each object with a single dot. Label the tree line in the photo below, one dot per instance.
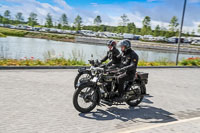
(125, 26)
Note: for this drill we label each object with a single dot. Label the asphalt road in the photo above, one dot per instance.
(40, 101)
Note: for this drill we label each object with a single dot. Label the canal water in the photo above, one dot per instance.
(21, 48)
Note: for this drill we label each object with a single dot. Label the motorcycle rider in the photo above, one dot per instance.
(129, 61)
(112, 54)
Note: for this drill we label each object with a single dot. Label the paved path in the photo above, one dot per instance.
(40, 101)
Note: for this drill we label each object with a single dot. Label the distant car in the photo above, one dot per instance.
(137, 37)
(22, 27)
(13, 27)
(91, 34)
(172, 40)
(36, 28)
(1, 25)
(59, 31)
(160, 38)
(7, 25)
(148, 37)
(52, 30)
(44, 29)
(128, 36)
(73, 32)
(101, 34)
(29, 28)
(67, 31)
(186, 40)
(109, 34)
(196, 42)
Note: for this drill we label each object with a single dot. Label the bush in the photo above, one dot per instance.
(194, 61)
(160, 62)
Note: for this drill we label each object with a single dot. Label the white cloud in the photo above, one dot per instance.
(41, 9)
(151, 0)
(94, 4)
(194, 1)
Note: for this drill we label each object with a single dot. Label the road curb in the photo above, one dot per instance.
(77, 67)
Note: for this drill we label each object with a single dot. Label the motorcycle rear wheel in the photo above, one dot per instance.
(138, 100)
(134, 103)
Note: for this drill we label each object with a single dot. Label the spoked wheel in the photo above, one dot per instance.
(80, 76)
(134, 102)
(85, 99)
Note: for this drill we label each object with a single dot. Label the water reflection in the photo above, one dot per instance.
(19, 47)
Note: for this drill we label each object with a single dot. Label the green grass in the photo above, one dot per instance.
(48, 62)
(2, 35)
(12, 32)
(23, 33)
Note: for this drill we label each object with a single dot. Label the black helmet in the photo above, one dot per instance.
(125, 43)
(111, 43)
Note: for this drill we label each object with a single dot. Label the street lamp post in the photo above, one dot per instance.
(180, 32)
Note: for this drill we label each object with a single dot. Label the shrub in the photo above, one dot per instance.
(194, 61)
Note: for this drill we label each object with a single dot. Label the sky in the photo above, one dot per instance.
(160, 11)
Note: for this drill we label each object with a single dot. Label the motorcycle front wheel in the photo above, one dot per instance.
(85, 98)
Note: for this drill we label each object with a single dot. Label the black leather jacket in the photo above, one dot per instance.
(129, 61)
(112, 56)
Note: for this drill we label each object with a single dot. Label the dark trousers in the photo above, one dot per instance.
(121, 79)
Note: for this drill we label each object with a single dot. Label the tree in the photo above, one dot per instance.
(59, 26)
(173, 24)
(193, 32)
(199, 29)
(77, 22)
(6, 17)
(125, 19)
(131, 28)
(49, 22)
(32, 19)
(97, 20)
(157, 31)
(1, 19)
(64, 20)
(187, 34)
(7, 14)
(19, 17)
(102, 28)
(146, 29)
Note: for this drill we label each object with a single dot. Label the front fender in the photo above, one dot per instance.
(86, 82)
(83, 70)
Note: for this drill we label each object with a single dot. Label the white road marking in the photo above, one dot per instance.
(160, 125)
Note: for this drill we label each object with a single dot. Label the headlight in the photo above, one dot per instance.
(95, 79)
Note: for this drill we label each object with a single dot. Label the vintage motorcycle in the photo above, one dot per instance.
(100, 90)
